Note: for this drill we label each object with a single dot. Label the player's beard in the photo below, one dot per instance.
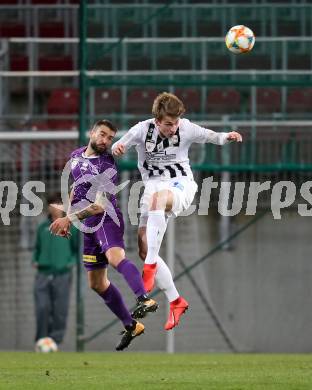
(97, 149)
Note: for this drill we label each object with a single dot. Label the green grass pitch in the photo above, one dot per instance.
(126, 370)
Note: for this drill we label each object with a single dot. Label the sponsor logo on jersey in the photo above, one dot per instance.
(178, 185)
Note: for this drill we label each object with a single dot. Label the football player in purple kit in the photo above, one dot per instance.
(103, 229)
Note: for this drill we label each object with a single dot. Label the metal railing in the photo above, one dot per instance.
(268, 146)
(197, 50)
(246, 81)
(109, 20)
(277, 48)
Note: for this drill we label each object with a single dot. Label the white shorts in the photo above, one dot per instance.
(183, 188)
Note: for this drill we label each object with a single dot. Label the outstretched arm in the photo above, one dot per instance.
(131, 138)
(234, 136)
(118, 149)
(200, 134)
(61, 226)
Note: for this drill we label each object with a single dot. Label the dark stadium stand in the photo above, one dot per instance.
(223, 101)
(12, 29)
(63, 101)
(19, 62)
(299, 100)
(174, 22)
(107, 100)
(139, 63)
(174, 62)
(140, 101)
(54, 62)
(268, 100)
(52, 29)
(190, 98)
(253, 61)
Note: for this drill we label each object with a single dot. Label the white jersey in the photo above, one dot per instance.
(167, 158)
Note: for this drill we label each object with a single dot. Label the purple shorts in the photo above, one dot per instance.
(97, 244)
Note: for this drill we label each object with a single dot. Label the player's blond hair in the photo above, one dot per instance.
(167, 104)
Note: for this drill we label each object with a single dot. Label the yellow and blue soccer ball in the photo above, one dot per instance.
(240, 39)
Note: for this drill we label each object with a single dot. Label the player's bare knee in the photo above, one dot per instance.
(115, 256)
(158, 201)
(162, 200)
(114, 261)
(99, 286)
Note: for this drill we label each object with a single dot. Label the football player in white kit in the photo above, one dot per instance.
(162, 144)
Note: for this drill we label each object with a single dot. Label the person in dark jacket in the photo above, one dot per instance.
(54, 258)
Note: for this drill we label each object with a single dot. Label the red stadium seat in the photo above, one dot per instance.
(39, 126)
(51, 29)
(44, 1)
(268, 100)
(62, 153)
(63, 125)
(190, 98)
(55, 63)
(41, 154)
(223, 101)
(19, 62)
(140, 100)
(63, 102)
(31, 153)
(12, 29)
(299, 100)
(107, 101)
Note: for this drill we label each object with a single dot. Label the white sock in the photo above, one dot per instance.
(155, 230)
(164, 280)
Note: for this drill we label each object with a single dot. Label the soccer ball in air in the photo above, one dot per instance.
(46, 344)
(240, 39)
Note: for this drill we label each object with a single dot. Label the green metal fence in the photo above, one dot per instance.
(271, 149)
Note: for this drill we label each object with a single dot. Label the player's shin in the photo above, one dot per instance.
(164, 280)
(132, 276)
(113, 299)
(155, 230)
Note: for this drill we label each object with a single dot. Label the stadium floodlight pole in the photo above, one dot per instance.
(82, 129)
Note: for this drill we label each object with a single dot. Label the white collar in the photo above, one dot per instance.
(90, 157)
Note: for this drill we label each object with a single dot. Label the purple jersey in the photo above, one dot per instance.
(109, 234)
(82, 168)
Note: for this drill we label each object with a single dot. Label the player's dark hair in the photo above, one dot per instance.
(105, 122)
(167, 104)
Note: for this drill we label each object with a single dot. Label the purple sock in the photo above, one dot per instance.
(115, 302)
(132, 276)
